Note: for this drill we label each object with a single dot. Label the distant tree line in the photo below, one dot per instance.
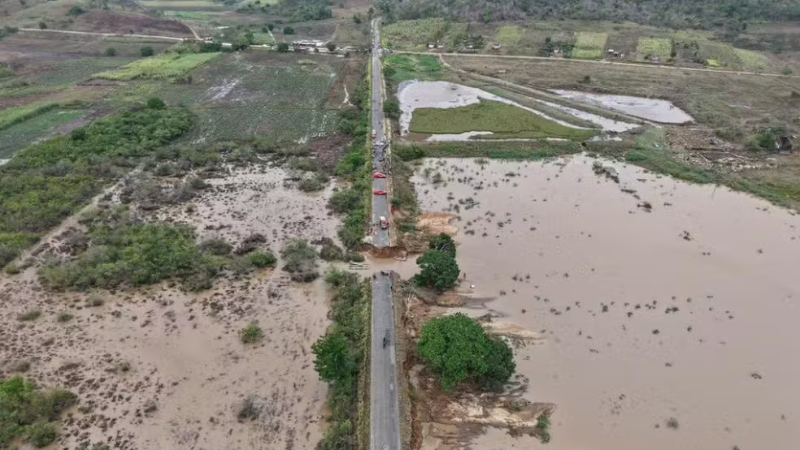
(699, 14)
(292, 10)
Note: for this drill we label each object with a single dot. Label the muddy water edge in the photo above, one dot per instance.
(668, 309)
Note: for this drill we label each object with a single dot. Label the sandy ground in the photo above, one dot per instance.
(682, 310)
(157, 368)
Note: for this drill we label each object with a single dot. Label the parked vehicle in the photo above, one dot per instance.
(379, 192)
(384, 223)
(378, 175)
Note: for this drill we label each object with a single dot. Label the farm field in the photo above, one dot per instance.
(164, 66)
(282, 96)
(399, 68)
(20, 135)
(418, 34)
(506, 121)
(509, 34)
(649, 48)
(589, 45)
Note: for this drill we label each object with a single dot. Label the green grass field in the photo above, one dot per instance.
(406, 67)
(509, 34)
(648, 48)
(78, 69)
(159, 67)
(11, 116)
(751, 60)
(20, 135)
(589, 45)
(506, 120)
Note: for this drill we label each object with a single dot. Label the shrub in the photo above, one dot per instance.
(216, 246)
(156, 103)
(30, 315)
(330, 251)
(64, 317)
(262, 259)
(443, 243)
(146, 51)
(313, 184)
(300, 259)
(42, 26)
(251, 334)
(12, 269)
(288, 30)
(283, 47)
(27, 413)
(457, 349)
(438, 270)
(111, 51)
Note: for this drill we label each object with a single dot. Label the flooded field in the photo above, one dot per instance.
(661, 111)
(441, 94)
(668, 310)
(158, 367)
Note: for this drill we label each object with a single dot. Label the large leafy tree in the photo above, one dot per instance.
(438, 270)
(443, 243)
(334, 361)
(457, 349)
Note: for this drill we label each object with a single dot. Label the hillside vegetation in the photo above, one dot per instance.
(676, 14)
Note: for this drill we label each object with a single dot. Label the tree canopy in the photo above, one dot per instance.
(443, 243)
(457, 349)
(335, 362)
(438, 270)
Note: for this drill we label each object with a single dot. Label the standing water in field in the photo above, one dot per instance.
(661, 111)
(668, 310)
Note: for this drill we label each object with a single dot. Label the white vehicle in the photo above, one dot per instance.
(374, 133)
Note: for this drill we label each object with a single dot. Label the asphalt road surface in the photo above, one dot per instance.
(384, 407)
(380, 204)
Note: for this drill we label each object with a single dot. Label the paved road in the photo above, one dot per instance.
(384, 408)
(380, 203)
(591, 61)
(89, 33)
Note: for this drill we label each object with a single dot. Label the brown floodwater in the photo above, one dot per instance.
(688, 311)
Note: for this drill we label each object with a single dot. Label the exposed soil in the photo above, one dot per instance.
(100, 21)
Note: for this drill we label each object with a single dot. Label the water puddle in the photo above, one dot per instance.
(661, 111)
(656, 299)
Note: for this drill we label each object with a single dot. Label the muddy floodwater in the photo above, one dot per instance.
(682, 308)
(661, 111)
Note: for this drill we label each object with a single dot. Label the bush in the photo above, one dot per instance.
(146, 51)
(408, 152)
(283, 47)
(156, 103)
(438, 270)
(457, 349)
(392, 108)
(134, 254)
(443, 243)
(42, 434)
(13, 269)
(300, 260)
(216, 246)
(330, 251)
(313, 184)
(30, 315)
(288, 30)
(251, 334)
(27, 413)
(65, 317)
(262, 259)
(345, 201)
(111, 51)
(75, 11)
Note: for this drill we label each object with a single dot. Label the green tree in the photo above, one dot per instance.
(42, 26)
(111, 51)
(334, 361)
(356, 18)
(331, 47)
(283, 47)
(392, 108)
(443, 243)
(156, 103)
(288, 30)
(438, 270)
(457, 349)
(270, 26)
(147, 51)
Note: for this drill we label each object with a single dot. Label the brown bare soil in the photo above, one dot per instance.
(100, 21)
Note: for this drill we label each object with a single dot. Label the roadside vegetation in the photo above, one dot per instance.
(457, 350)
(49, 181)
(353, 201)
(438, 268)
(341, 359)
(29, 414)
